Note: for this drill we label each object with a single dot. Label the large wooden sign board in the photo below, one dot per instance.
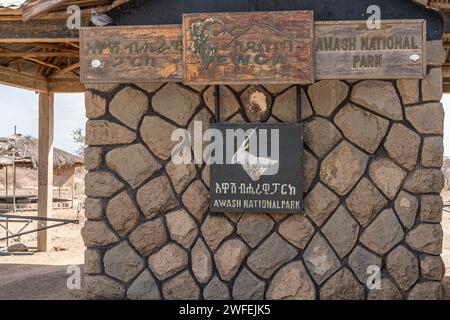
(349, 50)
(256, 47)
(257, 180)
(131, 54)
(274, 47)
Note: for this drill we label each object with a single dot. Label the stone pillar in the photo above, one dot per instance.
(373, 152)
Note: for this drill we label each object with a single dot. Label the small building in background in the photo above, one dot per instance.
(22, 152)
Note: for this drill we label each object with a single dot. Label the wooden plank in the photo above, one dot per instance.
(28, 56)
(65, 86)
(33, 9)
(131, 54)
(38, 31)
(23, 80)
(54, 46)
(66, 69)
(257, 47)
(41, 63)
(446, 88)
(38, 83)
(49, 16)
(349, 50)
(16, 14)
(45, 170)
(40, 54)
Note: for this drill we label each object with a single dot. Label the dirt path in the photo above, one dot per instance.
(37, 283)
(43, 275)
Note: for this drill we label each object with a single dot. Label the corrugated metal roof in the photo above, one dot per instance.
(13, 4)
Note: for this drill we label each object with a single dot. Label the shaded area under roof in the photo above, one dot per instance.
(42, 54)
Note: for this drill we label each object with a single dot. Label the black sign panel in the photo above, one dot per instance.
(262, 169)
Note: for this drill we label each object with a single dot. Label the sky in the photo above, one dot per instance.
(446, 103)
(20, 107)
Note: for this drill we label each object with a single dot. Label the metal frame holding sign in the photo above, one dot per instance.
(262, 172)
(257, 167)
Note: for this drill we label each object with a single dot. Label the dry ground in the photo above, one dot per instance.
(446, 245)
(43, 275)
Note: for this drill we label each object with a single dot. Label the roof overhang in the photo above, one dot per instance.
(37, 50)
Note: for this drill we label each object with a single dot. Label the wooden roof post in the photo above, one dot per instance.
(45, 171)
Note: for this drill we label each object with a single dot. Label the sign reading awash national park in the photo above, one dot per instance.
(257, 168)
(131, 54)
(349, 50)
(257, 47)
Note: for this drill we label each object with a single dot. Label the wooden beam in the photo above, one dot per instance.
(38, 83)
(9, 61)
(11, 12)
(32, 61)
(66, 69)
(33, 9)
(23, 80)
(42, 63)
(40, 54)
(75, 45)
(49, 16)
(45, 170)
(115, 4)
(65, 86)
(44, 45)
(440, 5)
(38, 31)
(40, 9)
(49, 70)
(28, 56)
(16, 15)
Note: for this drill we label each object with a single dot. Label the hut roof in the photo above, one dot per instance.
(26, 153)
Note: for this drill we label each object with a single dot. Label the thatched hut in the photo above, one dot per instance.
(23, 152)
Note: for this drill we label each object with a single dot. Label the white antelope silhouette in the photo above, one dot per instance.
(254, 166)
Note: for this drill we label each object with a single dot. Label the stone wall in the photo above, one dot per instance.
(373, 152)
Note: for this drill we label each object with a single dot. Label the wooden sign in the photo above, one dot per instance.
(263, 171)
(131, 54)
(257, 47)
(349, 50)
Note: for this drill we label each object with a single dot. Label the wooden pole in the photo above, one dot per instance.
(14, 170)
(6, 182)
(45, 171)
(14, 183)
